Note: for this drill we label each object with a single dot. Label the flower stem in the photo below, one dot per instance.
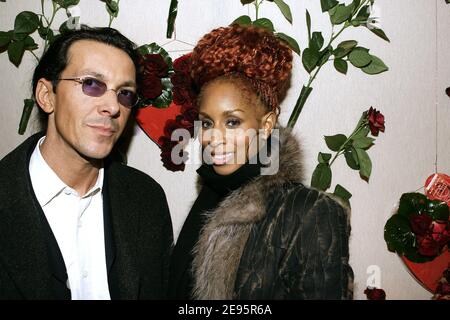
(301, 102)
(360, 126)
(112, 17)
(35, 55)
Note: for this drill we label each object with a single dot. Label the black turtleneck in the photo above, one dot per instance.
(215, 188)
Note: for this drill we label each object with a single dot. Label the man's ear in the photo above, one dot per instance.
(268, 122)
(45, 97)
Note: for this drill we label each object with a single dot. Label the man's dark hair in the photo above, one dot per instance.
(55, 59)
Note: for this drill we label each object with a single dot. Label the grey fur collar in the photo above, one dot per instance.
(223, 238)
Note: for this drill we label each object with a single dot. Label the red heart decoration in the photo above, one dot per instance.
(153, 120)
(429, 273)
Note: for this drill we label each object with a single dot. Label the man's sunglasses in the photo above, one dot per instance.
(95, 88)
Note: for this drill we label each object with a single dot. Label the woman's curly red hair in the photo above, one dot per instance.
(248, 51)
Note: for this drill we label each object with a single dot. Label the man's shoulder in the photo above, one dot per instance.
(132, 175)
(18, 157)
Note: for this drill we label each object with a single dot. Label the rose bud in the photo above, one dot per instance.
(427, 246)
(375, 294)
(420, 223)
(376, 121)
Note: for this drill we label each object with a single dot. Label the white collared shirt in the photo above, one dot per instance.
(77, 224)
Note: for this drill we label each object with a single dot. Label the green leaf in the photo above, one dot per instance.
(112, 7)
(360, 57)
(154, 48)
(29, 44)
(28, 105)
(335, 142)
(285, 10)
(68, 3)
(328, 4)
(244, 2)
(325, 54)
(19, 36)
(377, 66)
(46, 34)
(342, 193)
(5, 38)
(321, 178)
(26, 22)
(351, 157)
(308, 25)
(361, 133)
(324, 157)
(291, 42)
(63, 28)
(243, 21)
(310, 59)
(316, 41)
(380, 33)
(344, 48)
(164, 100)
(412, 203)
(438, 210)
(362, 16)
(398, 235)
(365, 164)
(264, 23)
(173, 11)
(363, 143)
(15, 52)
(341, 65)
(342, 14)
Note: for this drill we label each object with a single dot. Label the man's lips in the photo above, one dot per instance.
(103, 130)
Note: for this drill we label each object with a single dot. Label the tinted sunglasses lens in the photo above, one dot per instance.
(127, 98)
(93, 87)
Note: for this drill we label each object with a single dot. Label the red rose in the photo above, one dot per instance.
(190, 113)
(376, 121)
(181, 96)
(420, 223)
(440, 233)
(375, 294)
(443, 288)
(183, 63)
(166, 157)
(427, 246)
(154, 64)
(151, 87)
(170, 126)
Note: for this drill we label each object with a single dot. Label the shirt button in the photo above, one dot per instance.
(85, 274)
(67, 191)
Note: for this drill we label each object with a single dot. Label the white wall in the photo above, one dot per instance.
(411, 96)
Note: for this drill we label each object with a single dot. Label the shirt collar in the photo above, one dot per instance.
(46, 183)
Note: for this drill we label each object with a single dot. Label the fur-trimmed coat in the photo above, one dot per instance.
(275, 238)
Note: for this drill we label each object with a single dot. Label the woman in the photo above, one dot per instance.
(251, 235)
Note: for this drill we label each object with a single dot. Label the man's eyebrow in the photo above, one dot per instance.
(100, 76)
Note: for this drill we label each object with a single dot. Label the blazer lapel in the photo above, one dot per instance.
(28, 249)
(23, 249)
(121, 235)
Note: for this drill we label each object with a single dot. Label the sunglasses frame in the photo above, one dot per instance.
(81, 81)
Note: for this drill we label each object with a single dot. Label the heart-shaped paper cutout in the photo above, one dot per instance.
(153, 120)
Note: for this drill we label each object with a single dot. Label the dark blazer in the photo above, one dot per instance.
(138, 234)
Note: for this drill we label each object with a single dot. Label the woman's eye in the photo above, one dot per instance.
(206, 124)
(233, 122)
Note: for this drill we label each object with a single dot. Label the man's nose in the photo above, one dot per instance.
(110, 106)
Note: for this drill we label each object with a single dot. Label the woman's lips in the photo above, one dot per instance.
(221, 159)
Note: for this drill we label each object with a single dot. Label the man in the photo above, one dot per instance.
(73, 223)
